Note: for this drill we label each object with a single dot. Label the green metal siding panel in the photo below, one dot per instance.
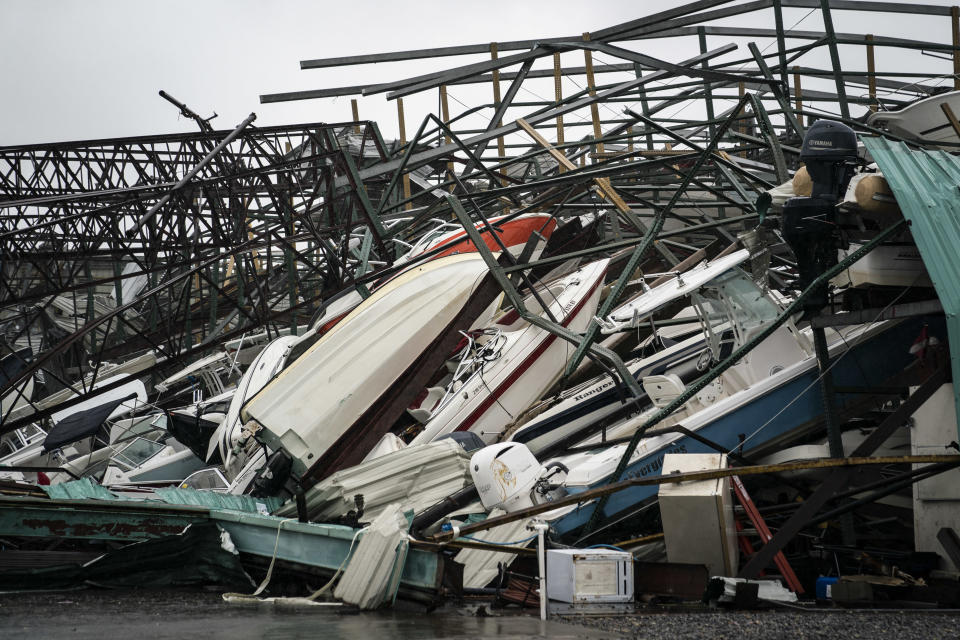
(82, 489)
(214, 500)
(87, 489)
(927, 187)
(317, 545)
(123, 520)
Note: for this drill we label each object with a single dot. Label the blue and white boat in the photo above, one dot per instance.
(739, 414)
(771, 395)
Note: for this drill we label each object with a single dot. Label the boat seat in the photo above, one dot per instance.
(662, 390)
(422, 413)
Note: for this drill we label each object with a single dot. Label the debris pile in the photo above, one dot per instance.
(686, 316)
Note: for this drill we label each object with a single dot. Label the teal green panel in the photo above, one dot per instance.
(215, 500)
(87, 489)
(324, 546)
(82, 489)
(124, 520)
(927, 187)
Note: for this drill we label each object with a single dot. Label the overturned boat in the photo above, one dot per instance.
(312, 414)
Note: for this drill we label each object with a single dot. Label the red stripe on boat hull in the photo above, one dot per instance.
(526, 364)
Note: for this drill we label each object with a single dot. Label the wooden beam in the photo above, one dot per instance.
(445, 115)
(558, 96)
(741, 91)
(591, 87)
(501, 150)
(403, 141)
(606, 190)
(951, 116)
(955, 28)
(356, 114)
(693, 476)
(798, 93)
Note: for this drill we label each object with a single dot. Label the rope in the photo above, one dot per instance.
(248, 597)
(229, 597)
(316, 594)
(605, 546)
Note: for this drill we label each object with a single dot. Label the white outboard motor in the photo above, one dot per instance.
(505, 475)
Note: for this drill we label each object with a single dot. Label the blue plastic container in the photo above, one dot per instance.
(824, 585)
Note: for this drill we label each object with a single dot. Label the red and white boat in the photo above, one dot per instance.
(512, 363)
(513, 233)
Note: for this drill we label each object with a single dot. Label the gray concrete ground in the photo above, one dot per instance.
(97, 614)
(832, 624)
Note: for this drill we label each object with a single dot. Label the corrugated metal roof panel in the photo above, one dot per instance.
(88, 489)
(215, 500)
(927, 187)
(82, 489)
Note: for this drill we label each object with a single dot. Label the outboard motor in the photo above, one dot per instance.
(272, 476)
(809, 225)
(505, 475)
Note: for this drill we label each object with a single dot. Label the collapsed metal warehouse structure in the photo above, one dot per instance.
(180, 243)
(161, 250)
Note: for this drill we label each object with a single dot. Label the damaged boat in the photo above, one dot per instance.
(310, 416)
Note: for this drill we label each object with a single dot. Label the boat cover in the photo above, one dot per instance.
(82, 424)
(194, 432)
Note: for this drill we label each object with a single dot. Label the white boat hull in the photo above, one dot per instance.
(530, 362)
(315, 400)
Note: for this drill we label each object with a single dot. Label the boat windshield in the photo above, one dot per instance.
(136, 453)
(735, 300)
(210, 479)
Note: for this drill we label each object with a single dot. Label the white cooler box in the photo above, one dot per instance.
(589, 575)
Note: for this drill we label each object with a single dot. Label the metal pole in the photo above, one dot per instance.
(190, 174)
(541, 528)
(826, 388)
(781, 45)
(830, 418)
(835, 58)
(871, 70)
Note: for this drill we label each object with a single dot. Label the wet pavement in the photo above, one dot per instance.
(147, 615)
(100, 614)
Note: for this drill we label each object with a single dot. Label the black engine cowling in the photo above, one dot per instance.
(809, 224)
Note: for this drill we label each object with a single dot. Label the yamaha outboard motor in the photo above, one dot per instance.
(809, 225)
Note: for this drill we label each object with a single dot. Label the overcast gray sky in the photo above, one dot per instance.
(77, 70)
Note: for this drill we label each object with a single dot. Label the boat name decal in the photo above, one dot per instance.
(587, 394)
(656, 465)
